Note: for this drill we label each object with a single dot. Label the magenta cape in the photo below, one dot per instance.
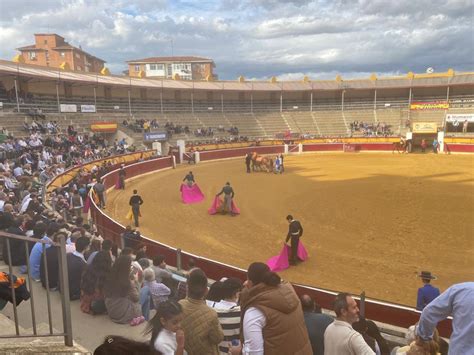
(191, 194)
(280, 262)
(217, 206)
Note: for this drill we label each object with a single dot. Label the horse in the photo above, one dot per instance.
(400, 147)
(260, 162)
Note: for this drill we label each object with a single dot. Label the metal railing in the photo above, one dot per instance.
(63, 286)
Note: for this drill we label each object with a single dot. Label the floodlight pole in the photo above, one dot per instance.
(16, 87)
(222, 98)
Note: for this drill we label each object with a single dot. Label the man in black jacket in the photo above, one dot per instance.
(135, 201)
(295, 231)
(76, 265)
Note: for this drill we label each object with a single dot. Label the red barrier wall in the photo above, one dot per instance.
(377, 310)
(459, 148)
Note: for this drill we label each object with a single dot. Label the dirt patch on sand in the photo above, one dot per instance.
(371, 221)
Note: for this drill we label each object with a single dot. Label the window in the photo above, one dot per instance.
(46, 54)
(160, 67)
(78, 56)
(45, 41)
(170, 70)
(63, 54)
(137, 68)
(32, 55)
(152, 66)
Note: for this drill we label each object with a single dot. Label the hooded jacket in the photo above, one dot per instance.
(285, 330)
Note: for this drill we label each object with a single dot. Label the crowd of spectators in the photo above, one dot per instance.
(261, 315)
(370, 129)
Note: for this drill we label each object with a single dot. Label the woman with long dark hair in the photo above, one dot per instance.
(93, 282)
(167, 337)
(122, 293)
(270, 306)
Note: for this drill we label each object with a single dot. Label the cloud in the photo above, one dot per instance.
(257, 38)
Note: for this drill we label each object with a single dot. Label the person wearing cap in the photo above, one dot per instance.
(427, 293)
(228, 192)
(295, 231)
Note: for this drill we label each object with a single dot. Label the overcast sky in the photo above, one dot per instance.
(258, 38)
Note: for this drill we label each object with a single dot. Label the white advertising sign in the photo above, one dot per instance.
(460, 117)
(116, 107)
(68, 108)
(88, 108)
(1, 104)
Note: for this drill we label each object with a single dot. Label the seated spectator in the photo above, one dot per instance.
(52, 260)
(183, 285)
(200, 323)
(140, 253)
(228, 312)
(167, 337)
(152, 293)
(37, 251)
(374, 332)
(316, 323)
(361, 327)
(118, 345)
(427, 293)
(159, 267)
(130, 237)
(76, 264)
(121, 293)
(340, 338)
(17, 247)
(93, 281)
(272, 317)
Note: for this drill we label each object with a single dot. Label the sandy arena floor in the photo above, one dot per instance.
(371, 221)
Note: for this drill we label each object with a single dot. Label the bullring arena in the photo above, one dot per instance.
(371, 220)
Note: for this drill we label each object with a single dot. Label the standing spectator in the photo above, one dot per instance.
(340, 338)
(228, 312)
(121, 177)
(435, 146)
(135, 201)
(272, 317)
(200, 323)
(316, 323)
(93, 281)
(464, 126)
(167, 337)
(76, 264)
(248, 160)
(458, 302)
(427, 293)
(423, 145)
(130, 237)
(99, 189)
(121, 293)
(77, 204)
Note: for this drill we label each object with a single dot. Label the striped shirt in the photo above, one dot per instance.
(229, 318)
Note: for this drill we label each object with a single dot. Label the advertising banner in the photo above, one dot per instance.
(68, 108)
(460, 117)
(155, 136)
(425, 127)
(429, 105)
(88, 108)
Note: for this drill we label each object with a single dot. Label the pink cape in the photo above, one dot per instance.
(191, 194)
(280, 262)
(217, 206)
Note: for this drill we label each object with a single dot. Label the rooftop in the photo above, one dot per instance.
(171, 59)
